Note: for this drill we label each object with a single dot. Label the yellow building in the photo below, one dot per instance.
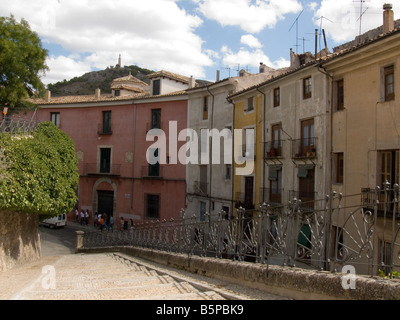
(247, 125)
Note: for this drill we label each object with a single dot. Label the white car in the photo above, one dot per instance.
(56, 222)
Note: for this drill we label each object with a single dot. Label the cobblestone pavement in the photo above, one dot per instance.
(68, 276)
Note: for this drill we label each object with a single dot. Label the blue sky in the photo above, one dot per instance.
(189, 37)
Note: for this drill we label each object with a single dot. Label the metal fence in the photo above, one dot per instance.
(291, 234)
(18, 125)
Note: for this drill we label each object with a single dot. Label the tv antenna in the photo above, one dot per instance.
(296, 22)
(361, 12)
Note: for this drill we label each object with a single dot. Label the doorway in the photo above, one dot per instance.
(105, 202)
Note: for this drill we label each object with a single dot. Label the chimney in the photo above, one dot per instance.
(218, 76)
(192, 82)
(97, 94)
(388, 18)
(48, 96)
(262, 68)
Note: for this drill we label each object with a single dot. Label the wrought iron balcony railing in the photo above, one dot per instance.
(95, 169)
(273, 149)
(304, 148)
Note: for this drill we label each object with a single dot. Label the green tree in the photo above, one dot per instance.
(22, 62)
(39, 173)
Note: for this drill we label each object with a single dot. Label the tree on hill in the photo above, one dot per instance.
(22, 61)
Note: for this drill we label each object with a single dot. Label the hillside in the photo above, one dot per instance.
(89, 82)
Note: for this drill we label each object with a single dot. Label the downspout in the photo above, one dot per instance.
(330, 107)
(263, 138)
(133, 152)
(210, 149)
(233, 155)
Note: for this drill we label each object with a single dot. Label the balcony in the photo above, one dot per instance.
(152, 172)
(104, 129)
(386, 201)
(307, 198)
(200, 188)
(95, 169)
(273, 149)
(304, 148)
(244, 201)
(271, 196)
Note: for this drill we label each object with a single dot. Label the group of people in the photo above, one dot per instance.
(101, 221)
(82, 218)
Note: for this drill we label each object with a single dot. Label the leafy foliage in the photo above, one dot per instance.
(22, 60)
(39, 172)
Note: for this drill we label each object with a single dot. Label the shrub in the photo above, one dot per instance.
(38, 173)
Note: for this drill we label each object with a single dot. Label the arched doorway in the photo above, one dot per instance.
(105, 196)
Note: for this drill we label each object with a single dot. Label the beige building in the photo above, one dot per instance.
(209, 184)
(365, 117)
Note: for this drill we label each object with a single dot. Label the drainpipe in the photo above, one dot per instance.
(263, 137)
(328, 232)
(210, 149)
(133, 152)
(233, 155)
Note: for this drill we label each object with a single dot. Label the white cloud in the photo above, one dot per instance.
(250, 58)
(345, 16)
(249, 15)
(64, 68)
(251, 41)
(154, 34)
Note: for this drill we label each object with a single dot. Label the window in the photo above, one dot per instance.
(203, 179)
(153, 205)
(277, 97)
(117, 93)
(105, 160)
(307, 88)
(307, 138)
(248, 150)
(106, 122)
(205, 108)
(389, 83)
(250, 104)
(55, 118)
(202, 210)
(275, 182)
(276, 146)
(154, 165)
(156, 119)
(389, 166)
(339, 167)
(156, 87)
(339, 95)
(306, 176)
(228, 171)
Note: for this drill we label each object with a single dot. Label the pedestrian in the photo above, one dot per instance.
(76, 215)
(111, 224)
(87, 217)
(131, 224)
(82, 217)
(96, 221)
(101, 223)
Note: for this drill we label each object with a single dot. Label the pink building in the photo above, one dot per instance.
(110, 131)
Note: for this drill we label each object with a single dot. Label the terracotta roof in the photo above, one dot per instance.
(129, 78)
(169, 75)
(128, 88)
(85, 99)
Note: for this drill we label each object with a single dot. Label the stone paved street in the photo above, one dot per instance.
(62, 275)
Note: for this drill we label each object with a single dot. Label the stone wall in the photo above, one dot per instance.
(294, 283)
(19, 239)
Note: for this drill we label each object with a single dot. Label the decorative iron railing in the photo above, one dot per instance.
(291, 235)
(18, 125)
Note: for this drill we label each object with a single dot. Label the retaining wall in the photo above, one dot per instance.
(19, 239)
(288, 282)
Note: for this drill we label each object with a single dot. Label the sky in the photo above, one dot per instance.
(188, 37)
